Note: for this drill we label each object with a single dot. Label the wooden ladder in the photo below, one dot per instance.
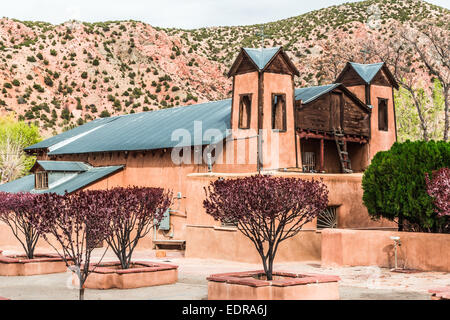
(341, 145)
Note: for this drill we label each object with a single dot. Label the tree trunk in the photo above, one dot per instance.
(419, 111)
(269, 272)
(81, 294)
(400, 222)
(446, 121)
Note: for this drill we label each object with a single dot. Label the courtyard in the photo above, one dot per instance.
(357, 283)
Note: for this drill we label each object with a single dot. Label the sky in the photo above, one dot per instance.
(187, 14)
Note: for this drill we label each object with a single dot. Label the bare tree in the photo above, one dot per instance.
(11, 160)
(432, 45)
(399, 57)
(267, 210)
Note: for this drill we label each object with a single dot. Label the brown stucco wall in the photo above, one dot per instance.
(422, 251)
(230, 244)
(359, 91)
(206, 238)
(381, 140)
(275, 83)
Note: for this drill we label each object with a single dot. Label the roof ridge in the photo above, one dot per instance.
(366, 64)
(171, 108)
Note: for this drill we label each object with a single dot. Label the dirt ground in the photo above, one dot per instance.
(368, 283)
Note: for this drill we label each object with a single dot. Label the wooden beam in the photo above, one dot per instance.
(326, 136)
(321, 155)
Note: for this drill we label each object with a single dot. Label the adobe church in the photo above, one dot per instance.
(329, 132)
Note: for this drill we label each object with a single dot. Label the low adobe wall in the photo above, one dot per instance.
(208, 242)
(421, 251)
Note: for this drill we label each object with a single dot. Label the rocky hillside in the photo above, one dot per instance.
(61, 76)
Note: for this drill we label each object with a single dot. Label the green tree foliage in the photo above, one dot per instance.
(395, 188)
(408, 122)
(14, 136)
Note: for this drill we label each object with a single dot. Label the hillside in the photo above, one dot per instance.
(59, 76)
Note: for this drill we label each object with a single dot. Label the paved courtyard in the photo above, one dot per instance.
(357, 282)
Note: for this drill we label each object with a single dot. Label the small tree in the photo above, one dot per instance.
(267, 210)
(438, 187)
(394, 184)
(77, 222)
(133, 213)
(16, 211)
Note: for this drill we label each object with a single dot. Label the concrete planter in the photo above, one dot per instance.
(108, 275)
(19, 265)
(252, 285)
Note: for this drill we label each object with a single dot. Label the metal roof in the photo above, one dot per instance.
(309, 94)
(86, 128)
(146, 130)
(68, 166)
(366, 71)
(83, 179)
(24, 184)
(73, 183)
(261, 56)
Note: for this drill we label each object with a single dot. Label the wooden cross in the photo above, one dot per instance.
(365, 52)
(261, 33)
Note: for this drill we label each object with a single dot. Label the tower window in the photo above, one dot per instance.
(41, 180)
(382, 114)
(279, 112)
(245, 106)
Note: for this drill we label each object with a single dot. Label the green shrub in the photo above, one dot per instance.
(105, 114)
(48, 81)
(395, 188)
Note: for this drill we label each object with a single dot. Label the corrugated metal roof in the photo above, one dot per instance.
(261, 56)
(92, 125)
(147, 130)
(366, 71)
(70, 166)
(309, 94)
(83, 179)
(24, 184)
(78, 181)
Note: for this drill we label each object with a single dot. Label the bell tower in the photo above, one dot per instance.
(374, 85)
(263, 105)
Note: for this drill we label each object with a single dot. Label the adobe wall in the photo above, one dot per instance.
(421, 251)
(381, 140)
(208, 242)
(279, 84)
(157, 170)
(359, 91)
(246, 83)
(206, 238)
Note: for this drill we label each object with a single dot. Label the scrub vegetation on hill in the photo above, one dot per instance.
(61, 76)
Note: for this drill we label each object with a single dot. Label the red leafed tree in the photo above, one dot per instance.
(133, 212)
(77, 222)
(267, 210)
(438, 187)
(16, 211)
